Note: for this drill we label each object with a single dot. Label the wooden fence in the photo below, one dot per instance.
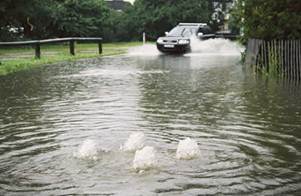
(277, 57)
(37, 43)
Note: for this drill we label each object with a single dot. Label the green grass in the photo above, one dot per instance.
(17, 59)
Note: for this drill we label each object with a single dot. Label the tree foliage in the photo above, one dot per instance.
(80, 18)
(36, 19)
(157, 16)
(268, 19)
(52, 18)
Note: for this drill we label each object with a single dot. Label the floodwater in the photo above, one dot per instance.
(248, 129)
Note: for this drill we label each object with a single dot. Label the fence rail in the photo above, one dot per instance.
(277, 57)
(72, 40)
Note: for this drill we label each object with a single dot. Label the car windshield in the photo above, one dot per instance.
(183, 31)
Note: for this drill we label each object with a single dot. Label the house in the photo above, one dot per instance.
(118, 5)
(221, 12)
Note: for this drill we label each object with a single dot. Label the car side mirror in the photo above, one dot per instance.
(166, 33)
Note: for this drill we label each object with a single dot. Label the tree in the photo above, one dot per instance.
(27, 16)
(157, 16)
(269, 19)
(80, 18)
(37, 19)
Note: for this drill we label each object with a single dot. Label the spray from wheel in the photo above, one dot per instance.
(217, 46)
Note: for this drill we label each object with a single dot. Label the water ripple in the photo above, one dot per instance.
(248, 130)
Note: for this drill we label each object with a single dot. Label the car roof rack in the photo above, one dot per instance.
(192, 24)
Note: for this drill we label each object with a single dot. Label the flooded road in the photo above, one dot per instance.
(248, 129)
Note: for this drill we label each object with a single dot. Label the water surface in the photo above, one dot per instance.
(248, 129)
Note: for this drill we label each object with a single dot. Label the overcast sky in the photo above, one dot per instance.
(130, 0)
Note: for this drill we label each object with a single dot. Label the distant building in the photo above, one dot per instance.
(118, 5)
(221, 12)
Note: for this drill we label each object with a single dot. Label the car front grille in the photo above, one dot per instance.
(170, 41)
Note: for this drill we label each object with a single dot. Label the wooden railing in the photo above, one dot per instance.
(279, 57)
(37, 43)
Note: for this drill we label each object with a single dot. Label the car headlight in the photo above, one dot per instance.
(183, 41)
(160, 41)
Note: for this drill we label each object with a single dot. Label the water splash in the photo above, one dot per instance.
(215, 46)
(187, 149)
(88, 150)
(134, 142)
(144, 50)
(145, 159)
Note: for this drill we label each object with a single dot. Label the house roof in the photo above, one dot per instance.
(118, 4)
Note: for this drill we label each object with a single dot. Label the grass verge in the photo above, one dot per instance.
(17, 59)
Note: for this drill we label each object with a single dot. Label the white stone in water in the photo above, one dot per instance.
(88, 150)
(145, 159)
(134, 142)
(187, 149)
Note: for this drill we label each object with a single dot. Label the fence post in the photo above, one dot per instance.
(144, 37)
(279, 57)
(266, 55)
(291, 58)
(286, 58)
(72, 47)
(100, 47)
(38, 50)
(294, 59)
(299, 59)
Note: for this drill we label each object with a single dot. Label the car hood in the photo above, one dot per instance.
(170, 38)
